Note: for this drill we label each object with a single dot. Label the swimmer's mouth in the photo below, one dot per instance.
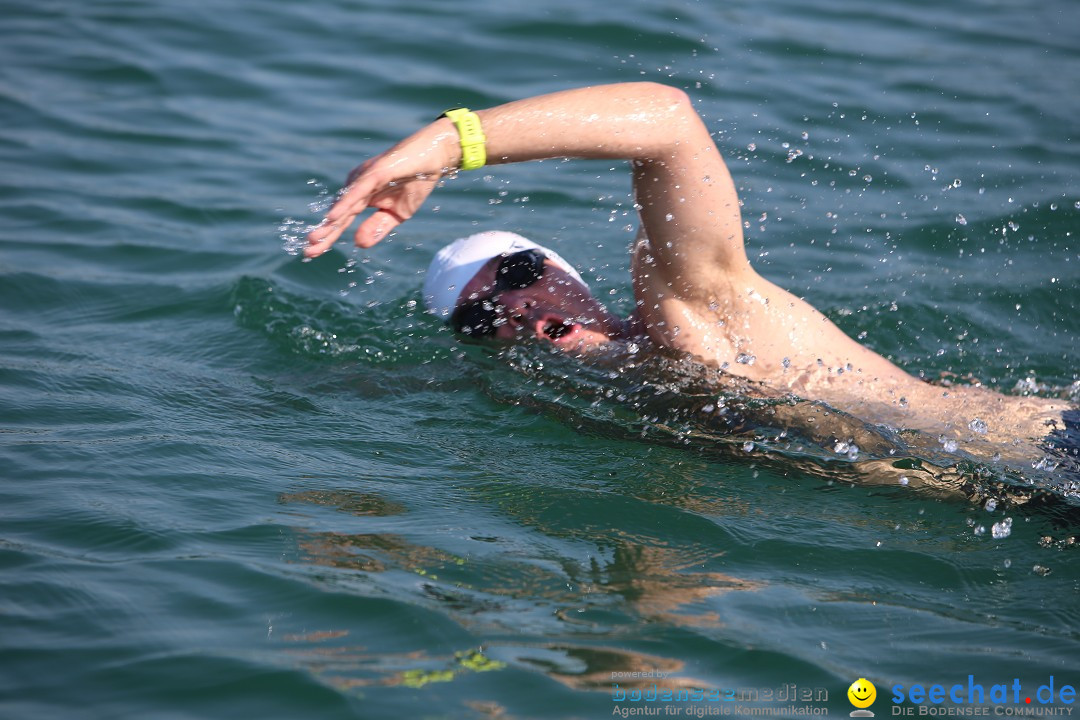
(554, 330)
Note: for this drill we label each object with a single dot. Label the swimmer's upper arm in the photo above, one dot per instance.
(689, 206)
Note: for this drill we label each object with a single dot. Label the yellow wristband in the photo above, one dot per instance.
(473, 153)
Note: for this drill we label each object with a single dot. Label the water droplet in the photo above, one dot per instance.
(978, 426)
(745, 359)
(991, 505)
(961, 220)
(669, 217)
(904, 480)
(1041, 570)
(980, 530)
(1002, 530)
(949, 445)
(748, 447)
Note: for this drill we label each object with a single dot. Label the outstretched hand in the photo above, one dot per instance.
(394, 184)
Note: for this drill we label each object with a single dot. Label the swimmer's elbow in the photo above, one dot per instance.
(647, 98)
(673, 98)
(672, 110)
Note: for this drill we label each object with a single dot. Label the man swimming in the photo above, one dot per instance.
(696, 293)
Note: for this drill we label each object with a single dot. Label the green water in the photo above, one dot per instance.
(239, 485)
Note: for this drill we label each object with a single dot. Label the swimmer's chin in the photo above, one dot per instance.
(595, 347)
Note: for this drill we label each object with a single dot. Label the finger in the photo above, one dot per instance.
(326, 228)
(361, 183)
(326, 234)
(374, 229)
(351, 203)
(320, 239)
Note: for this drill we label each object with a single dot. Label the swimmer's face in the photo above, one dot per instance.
(554, 308)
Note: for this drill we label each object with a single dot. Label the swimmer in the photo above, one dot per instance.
(696, 292)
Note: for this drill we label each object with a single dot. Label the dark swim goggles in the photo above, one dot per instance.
(479, 318)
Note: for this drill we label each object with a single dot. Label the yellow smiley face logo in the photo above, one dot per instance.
(862, 693)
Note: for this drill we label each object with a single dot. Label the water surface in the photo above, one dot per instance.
(236, 484)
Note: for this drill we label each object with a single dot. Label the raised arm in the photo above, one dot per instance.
(689, 208)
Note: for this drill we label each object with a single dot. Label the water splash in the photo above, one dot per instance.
(851, 450)
(1002, 530)
(293, 231)
(293, 234)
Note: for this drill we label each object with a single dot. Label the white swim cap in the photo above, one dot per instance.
(456, 264)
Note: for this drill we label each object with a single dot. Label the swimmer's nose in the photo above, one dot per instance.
(518, 311)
